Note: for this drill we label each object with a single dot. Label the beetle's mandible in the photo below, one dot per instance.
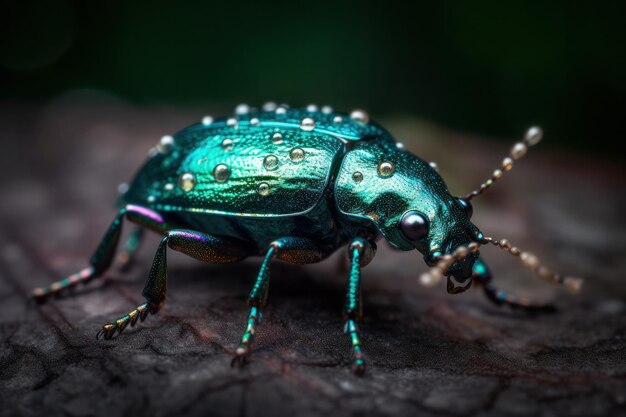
(296, 185)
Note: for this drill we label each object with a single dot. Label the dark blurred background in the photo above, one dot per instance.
(489, 67)
(88, 87)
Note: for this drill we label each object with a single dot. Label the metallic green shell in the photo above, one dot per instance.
(322, 178)
(266, 176)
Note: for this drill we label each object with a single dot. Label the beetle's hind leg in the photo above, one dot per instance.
(103, 256)
(482, 275)
(199, 245)
(288, 249)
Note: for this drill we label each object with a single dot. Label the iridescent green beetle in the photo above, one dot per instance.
(295, 185)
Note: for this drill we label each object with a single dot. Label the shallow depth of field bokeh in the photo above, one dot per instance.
(488, 67)
(87, 88)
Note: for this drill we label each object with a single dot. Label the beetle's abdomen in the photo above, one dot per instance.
(238, 169)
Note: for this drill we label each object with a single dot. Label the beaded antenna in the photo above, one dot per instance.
(430, 278)
(533, 136)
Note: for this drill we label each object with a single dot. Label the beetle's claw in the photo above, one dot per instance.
(358, 367)
(99, 334)
(241, 358)
(39, 295)
(108, 331)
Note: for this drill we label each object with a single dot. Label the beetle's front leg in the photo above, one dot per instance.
(482, 275)
(289, 249)
(360, 252)
(208, 248)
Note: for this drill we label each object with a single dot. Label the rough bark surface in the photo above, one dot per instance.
(429, 353)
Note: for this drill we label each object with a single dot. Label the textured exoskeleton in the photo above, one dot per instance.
(295, 185)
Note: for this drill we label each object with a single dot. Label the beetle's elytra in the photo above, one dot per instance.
(295, 185)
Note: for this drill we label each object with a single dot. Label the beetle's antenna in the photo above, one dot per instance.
(529, 260)
(532, 137)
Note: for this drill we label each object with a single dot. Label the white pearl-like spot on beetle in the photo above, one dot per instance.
(357, 176)
(281, 110)
(169, 186)
(221, 172)
(296, 154)
(277, 138)
(327, 110)
(338, 119)
(187, 181)
(307, 124)
(269, 106)
(434, 166)
(386, 169)
(232, 122)
(399, 145)
(227, 144)
(151, 199)
(270, 162)
(123, 188)
(166, 144)
(207, 120)
(264, 189)
(360, 116)
(254, 121)
(311, 108)
(242, 109)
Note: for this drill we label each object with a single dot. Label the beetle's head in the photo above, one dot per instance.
(440, 227)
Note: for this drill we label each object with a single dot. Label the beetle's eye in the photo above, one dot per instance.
(467, 206)
(414, 225)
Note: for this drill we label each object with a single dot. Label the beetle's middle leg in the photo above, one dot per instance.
(289, 249)
(202, 246)
(126, 257)
(482, 275)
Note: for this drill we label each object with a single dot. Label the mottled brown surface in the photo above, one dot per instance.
(429, 353)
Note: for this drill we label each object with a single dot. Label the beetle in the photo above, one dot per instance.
(296, 185)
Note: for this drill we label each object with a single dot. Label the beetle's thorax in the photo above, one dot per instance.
(378, 182)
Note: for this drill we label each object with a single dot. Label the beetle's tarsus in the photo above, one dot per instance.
(500, 298)
(109, 330)
(83, 276)
(358, 359)
(482, 276)
(254, 318)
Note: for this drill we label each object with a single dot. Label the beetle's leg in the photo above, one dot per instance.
(482, 275)
(126, 257)
(104, 254)
(199, 245)
(360, 253)
(289, 249)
